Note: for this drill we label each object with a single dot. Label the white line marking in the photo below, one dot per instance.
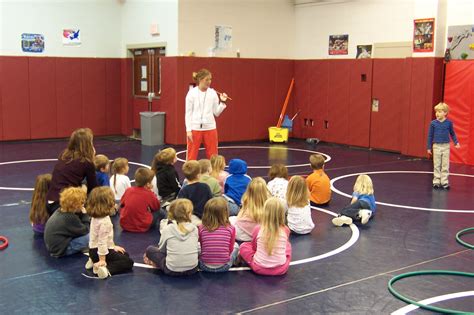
(328, 158)
(435, 299)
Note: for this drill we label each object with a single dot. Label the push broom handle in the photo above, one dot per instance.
(286, 103)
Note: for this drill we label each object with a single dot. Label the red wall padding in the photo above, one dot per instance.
(458, 94)
(69, 95)
(301, 96)
(338, 100)
(15, 99)
(169, 90)
(42, 95)
(93, 97)
(126, 99)
(112, 96)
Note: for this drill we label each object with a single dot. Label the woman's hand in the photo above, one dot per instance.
(119, 249)
(189, 135)
(223, 97)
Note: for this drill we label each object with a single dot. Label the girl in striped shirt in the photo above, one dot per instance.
(217, 237)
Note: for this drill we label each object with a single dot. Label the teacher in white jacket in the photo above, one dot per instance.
(202, 104)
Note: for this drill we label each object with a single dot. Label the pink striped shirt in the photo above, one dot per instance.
(216, 246)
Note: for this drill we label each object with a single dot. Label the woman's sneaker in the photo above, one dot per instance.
(365, 215)
(89, 264)
(341, 220)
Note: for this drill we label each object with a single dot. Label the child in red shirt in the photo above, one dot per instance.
(140, 209)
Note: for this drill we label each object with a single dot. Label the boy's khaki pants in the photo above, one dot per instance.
(440, 164)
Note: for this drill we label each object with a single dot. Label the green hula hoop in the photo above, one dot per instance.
(460, 241)
(427, 272)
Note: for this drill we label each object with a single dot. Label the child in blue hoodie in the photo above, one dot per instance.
(236, 184)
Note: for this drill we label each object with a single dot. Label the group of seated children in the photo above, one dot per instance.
(205, 217)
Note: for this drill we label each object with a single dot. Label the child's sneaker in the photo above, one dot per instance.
(89, 264)
(436, 186)
(101, 272)
(341, 220)
(365, 215)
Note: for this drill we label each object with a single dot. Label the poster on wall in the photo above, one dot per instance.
(338, 44)
(423, 35)
(33, 43)
(364, 51)
(223, 37)
(71, 37)
(461, 41)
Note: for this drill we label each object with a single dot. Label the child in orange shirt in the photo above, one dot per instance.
(318, 182)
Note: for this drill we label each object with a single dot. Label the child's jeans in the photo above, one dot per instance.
(77, 244)
(353, 209)
(224, 267)
(440, 164)
(159, 259)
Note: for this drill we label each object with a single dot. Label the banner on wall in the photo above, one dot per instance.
(338, 44)
(461, 41)
(71, 37)
(364, 51)
(223, 37)
(423, 35)
(32, 43)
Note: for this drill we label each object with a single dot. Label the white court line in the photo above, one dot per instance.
(47, 160)
(328, 158)
(435, 299)
(337, 191)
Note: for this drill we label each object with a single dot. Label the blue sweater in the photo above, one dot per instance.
(439, 132)
(102, 178)
(236, 183)
(370, 199)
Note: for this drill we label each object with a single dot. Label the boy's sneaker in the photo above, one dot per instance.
(365, 215)
(89, 264)
(101, 272)
(446, 187)
(341, 220)
(436, 186)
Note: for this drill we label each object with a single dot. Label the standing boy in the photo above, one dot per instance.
(438, 138)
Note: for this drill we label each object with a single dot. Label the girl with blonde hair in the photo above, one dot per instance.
(177, 251)
(299, 211)
(269, 252)
(218, 169)
(362, 206)
(253, 201)
(75, 164)
(119, 182)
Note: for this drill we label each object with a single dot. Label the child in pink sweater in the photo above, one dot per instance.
(269, 252)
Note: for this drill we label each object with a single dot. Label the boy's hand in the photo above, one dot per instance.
(457, 146)
(429, 151)
(119, 249)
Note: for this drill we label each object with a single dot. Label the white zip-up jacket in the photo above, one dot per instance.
(201, 107)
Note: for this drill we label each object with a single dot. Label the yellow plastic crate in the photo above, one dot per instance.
(278, 134)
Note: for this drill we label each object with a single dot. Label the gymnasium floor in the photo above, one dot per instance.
(336, 270)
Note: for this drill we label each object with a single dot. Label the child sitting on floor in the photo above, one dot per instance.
(206, 178)
(178, 249)
(38, 211)
(318, 182)
(236, 184)
(102, 168)
(269, 252)
(299, 211)
(106, 258)
(218, 169)
(251, 213)
(67, 230)
(362, 206)
(217, 238)
(278, 183)
(167, 179)
(119, 182)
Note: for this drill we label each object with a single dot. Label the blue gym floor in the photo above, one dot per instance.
(337, 270)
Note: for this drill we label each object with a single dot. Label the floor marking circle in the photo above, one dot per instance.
(337, 191)
(328, 157)
(435, 299)
(47, 160)
(354, 237)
